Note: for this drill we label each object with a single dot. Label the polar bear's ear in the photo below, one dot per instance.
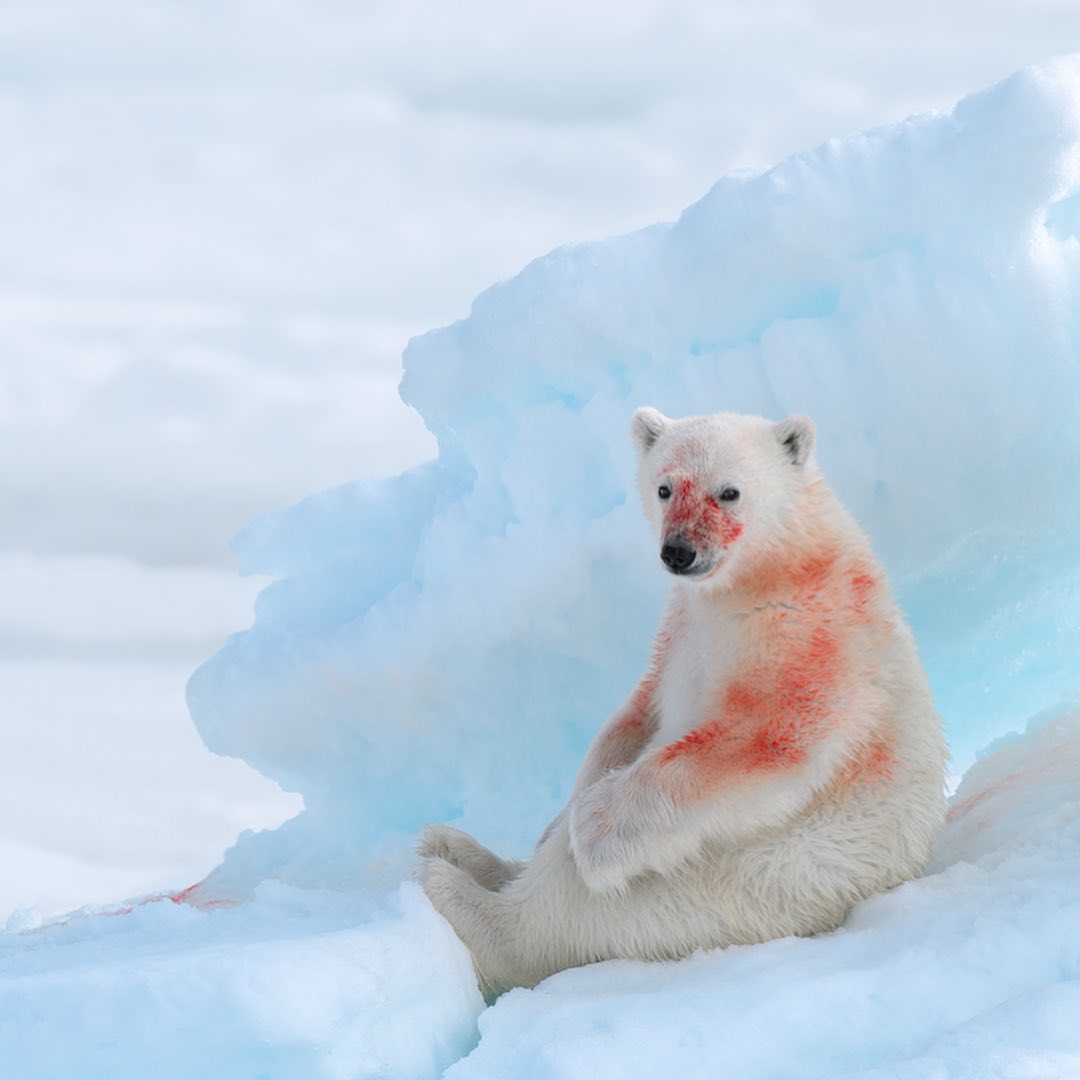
(646, 427)
(796, 436)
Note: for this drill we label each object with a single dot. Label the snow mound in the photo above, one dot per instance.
(972, 971)
(442, 645)
(294, 984)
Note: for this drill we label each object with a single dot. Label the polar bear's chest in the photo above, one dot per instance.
(699, 664)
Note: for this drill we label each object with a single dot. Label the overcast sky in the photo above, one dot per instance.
(221, 221)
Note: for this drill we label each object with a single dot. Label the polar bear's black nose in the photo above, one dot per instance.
(678, 556)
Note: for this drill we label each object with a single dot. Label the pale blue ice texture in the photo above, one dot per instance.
(442, 645)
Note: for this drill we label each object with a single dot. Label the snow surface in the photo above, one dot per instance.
(972, 971)
(296, 984)
(440, 646)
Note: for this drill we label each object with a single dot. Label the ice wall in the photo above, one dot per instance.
(441, 645)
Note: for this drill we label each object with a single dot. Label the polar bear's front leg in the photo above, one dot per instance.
(719, 781)
(613, 825)
(622, 738)
(628, 731)
(651, 816)
(779, 733)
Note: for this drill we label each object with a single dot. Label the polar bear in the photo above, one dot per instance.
(780, 759)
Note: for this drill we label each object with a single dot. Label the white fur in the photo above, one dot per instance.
(813, 771)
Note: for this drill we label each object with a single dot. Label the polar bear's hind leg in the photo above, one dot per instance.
(483, 920)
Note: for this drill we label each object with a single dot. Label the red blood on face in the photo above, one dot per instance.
(699, 518)
(730, 529)
(682, 509)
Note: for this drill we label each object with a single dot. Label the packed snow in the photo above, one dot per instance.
(296, 984)
(441, 646)
(972, 971)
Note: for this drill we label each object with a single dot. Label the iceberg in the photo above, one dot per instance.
(441, 646)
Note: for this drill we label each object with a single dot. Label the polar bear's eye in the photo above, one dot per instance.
(664, 491)
(729, 494)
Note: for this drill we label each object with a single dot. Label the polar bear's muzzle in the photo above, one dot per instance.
(679, 556)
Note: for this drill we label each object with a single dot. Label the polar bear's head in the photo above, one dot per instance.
(719, 487)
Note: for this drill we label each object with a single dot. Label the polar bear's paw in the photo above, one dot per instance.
(482, 919)
(461, 850)
(604, 849)
(440, 841)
